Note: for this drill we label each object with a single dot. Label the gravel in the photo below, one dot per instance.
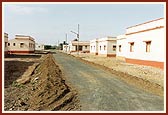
(152, 74)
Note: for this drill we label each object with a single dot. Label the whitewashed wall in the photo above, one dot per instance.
(94, 45)
(121, 40)
(156, 36)
(17, 47)
(108, 42)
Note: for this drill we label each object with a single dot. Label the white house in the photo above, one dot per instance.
(21, 44)
(39, 46)
(5, 43)
(94, 46)
(66, 48)
(145, 43)
(107, 46)
(84, 46)
(121, 47)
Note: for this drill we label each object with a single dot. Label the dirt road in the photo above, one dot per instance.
(99, 90)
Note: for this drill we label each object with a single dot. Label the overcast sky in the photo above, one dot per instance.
(48, 23)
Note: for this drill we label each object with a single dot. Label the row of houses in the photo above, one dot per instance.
(84, 46)
(21, 45)
(141, 44)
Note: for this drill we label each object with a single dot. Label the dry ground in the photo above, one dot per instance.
(148, 78)
(35, 82)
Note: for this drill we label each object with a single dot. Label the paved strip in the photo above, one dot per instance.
(100, 90)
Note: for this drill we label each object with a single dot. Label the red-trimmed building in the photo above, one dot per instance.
(21, 45)
(144, 44)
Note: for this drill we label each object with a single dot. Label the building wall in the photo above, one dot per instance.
(121, 47)
(94, 46)
(84, 44)
(72, 48)
(39, 46)
(5, 43)
(154, 32)
(65, 48)
(86, 48)
(106, 45)
(21, 45)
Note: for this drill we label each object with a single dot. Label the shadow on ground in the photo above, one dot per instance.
(13, 70)
(23, 56)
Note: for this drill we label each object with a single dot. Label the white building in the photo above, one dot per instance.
(107, 46)
(39, 46)
(84, 46)
(66, 48)
(145, 43)
(94, 46)
(121, 47)
(5, 43)
(21, 44)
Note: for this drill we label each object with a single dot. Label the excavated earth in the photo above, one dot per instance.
(37, 86)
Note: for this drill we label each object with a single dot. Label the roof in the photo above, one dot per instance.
(80, 42)
(108, 38)
(121, 37)
(145, 23)
(24, 37)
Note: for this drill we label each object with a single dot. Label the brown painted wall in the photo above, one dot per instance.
(20, 52)
(146, 62)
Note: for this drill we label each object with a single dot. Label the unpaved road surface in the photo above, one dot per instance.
(99, 90)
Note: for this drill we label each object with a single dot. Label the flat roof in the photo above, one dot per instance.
(145, 23)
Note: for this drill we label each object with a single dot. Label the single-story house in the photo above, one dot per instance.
(84, 46)
(146, 43)
(21, 44)
(103, 46)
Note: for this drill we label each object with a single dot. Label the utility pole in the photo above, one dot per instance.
(77, 38)
(66, 41)
(58, 45)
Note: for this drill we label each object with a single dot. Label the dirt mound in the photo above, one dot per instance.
(46, 90)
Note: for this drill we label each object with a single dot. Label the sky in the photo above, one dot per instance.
(49, 23)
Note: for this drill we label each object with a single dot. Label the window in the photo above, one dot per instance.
(85, 47)
(114, 47)
(119, 48)
(100, 47)
(8, 44)
(21, 45)
(13, 44)
(148, 44)
(132, 47)
(80, 48)
(104, 47)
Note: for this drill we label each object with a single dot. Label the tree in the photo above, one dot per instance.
(75, 40)
(47, 47)
(61, 46)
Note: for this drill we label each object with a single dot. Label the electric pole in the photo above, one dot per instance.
(77, 38)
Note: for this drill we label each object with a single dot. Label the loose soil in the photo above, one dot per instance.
(37, 84)
(145, 77)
